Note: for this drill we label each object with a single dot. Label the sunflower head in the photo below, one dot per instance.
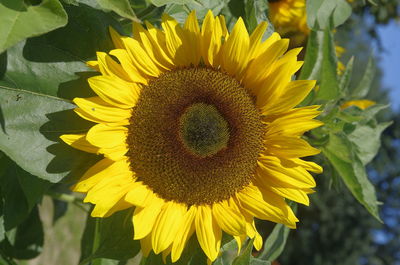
(199, 131)
(290, 20)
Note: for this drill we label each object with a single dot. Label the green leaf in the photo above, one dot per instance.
(21, 192)
(365, 84)
(121, 7)
(341, 153)
(346, 77)
(314, 55)
(275, 243)
(227, 253)
(2, 228)
(312, 7)
(52, 64)
(16, 15)
(367, 140)
(33, 123)
(327, 14)
(166, 2)
(329, 86)
(341, 13)
(255, 12)
(110, 238)
(55, 62)
(26, 240)
(245, 257)
(257, 261)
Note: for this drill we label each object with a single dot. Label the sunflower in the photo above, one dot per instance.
(198, 131)
(290, 20)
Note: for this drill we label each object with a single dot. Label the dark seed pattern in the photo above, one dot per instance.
(173, 165)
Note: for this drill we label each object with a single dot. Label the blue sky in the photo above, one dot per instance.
(390, 61)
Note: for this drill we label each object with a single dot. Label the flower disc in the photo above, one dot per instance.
(194, 136)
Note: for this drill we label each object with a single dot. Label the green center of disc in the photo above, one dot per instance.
(203, 131)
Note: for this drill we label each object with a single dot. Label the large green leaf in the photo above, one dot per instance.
(327, 14)
(52, 67)
(314, 55)
(110, 238)
(245, 255)
(228, 252)
(55, 62)
(121, 7)
(26, 240)
(166, 2)
(367, 140)
(346, 77)
(329, 86)
(252, 11)
(20, 191)
(33, 123)
(341, 153)
(364, 86)
(19, 20)
(275, 243)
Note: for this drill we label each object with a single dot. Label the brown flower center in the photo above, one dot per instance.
(194, 136)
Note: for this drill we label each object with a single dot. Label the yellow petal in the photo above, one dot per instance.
(235, 51)
(115, 153)
(184, 233)
(208, 232)
(179, 41)
(107, 66)
(274, 209)
(361, 103)
(258, 242)
(94, 65)
(105, 136)
(144, 218)
(239, 240)
(79, 141)
(289, 147)
(152, 48)
(294, 194)
(115, 91)
(192, 32)
(259, 68)
(97, 110)
(116, 38)
(140, 58)
(157, 39)
(108, 191)
(293, 94)
(210, 41)
(284, 171)
(228, 218)
(112, 202)
(167, 225)
(139, 195)
(294, 122)
(308, 165)
(101, 170)
(127, 64)
(266, 44)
